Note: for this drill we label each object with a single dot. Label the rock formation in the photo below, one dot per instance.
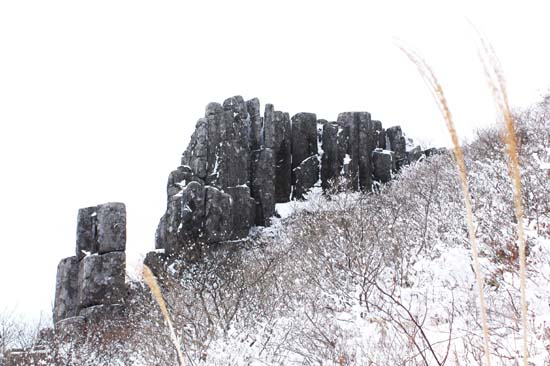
(95, 277)
(239, 164)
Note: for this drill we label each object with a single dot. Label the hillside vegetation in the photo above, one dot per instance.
(361, 279)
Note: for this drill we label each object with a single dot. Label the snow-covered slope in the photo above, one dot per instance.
(365, 279)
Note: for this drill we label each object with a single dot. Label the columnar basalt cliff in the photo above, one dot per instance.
(236, 168)
(93, 281)
(239, 164)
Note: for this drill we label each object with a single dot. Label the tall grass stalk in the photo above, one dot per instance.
(437, 91)
(497, 84)
(151, 281)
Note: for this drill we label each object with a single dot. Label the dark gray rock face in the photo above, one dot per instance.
(167, 235)
(304, 138)
(383, 164)
(227, 179)
(306, 174)
(262, 185)
(96, 275)
(101, 279)
(304, 153)
(277, 137)
(196, 155)
(381, 133)
(86, 231)
(243, 209)
(256, 123)
(218, 218)
(269, 126)
(239, 164)
(101, 229)
(227, 148)
(189, 212)
(398, 145)
(111, 227)
(236, 105)
(333, 159)
(183, 221)
(282, 148)
(362, 139)
(66, 289)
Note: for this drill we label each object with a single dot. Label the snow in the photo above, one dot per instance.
(285, 209)
(385, 152)
(347, 159)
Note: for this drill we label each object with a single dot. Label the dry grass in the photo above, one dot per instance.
(497, 84)
(437, 91)
(151, 281)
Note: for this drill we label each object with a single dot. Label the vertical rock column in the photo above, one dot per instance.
(278, 137)
(66, 289)
(261, 183)
(255, 132)
(398, 145)
(333, 155)
(380, 135)
(362, 138)
(305, 159)
(96, 274)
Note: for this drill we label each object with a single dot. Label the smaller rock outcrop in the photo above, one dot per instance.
(96, 274)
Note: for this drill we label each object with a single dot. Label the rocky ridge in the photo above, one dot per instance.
(236, 168)
(239, 164)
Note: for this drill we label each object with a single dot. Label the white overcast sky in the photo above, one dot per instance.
(98, 98)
